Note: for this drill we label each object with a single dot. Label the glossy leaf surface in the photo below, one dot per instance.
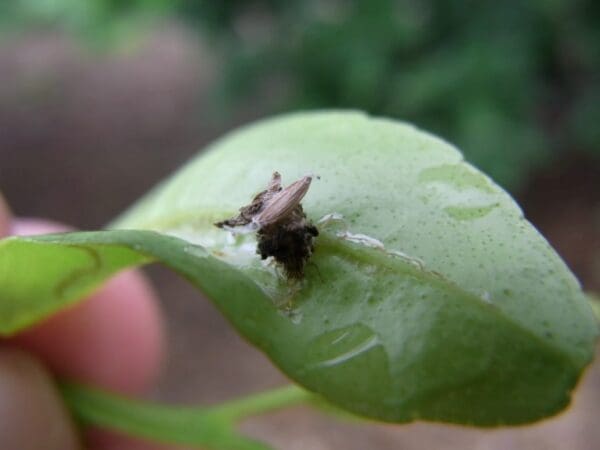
(432, 298)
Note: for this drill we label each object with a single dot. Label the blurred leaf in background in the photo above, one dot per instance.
(515, 84)
(512, 83)
(101, 22)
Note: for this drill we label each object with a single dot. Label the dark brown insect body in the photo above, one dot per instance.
(282, 228)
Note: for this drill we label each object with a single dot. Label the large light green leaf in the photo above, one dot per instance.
(451, 307)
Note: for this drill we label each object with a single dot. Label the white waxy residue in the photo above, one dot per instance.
(242, 229)
(329, 218)
(362, 239)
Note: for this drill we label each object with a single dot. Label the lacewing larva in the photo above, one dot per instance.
(282, 228)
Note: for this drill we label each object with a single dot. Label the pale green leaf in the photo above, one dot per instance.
(432, 299)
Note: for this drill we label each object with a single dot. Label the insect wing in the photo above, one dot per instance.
(283, 203)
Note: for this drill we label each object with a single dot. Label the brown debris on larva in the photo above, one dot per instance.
(282, 228)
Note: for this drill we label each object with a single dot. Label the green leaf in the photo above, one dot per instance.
(433, 299)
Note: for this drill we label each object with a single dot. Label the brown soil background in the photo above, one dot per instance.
(84, 133)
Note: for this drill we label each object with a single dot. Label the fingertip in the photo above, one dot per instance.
(114, 339)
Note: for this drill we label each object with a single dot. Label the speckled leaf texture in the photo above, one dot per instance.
(428, 297)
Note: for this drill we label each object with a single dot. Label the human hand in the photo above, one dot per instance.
(113, 340)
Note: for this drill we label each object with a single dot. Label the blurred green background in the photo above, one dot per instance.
(514, 84)
(100, 99)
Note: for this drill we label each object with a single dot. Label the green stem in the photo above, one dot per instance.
(262, 402)
(211, 428)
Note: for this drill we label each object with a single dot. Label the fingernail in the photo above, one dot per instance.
(32, 226)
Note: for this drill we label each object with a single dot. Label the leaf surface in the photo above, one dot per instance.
(433, 298)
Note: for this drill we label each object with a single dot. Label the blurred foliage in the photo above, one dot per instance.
(101, 22)
(512, 83)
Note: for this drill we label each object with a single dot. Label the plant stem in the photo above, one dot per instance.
(211, 428)
(261, 403)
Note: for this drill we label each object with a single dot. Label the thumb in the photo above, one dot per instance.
(32, 415)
